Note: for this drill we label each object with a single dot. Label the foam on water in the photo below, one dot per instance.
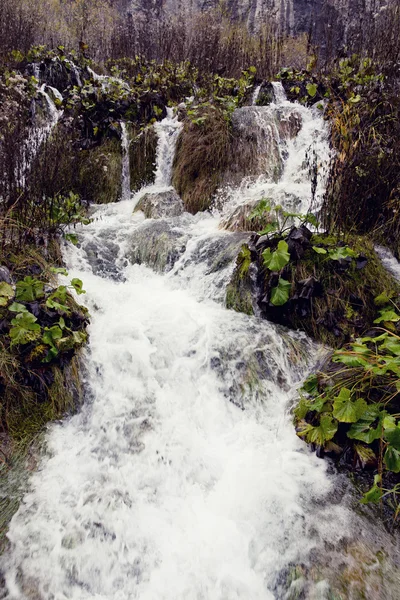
(182, 477)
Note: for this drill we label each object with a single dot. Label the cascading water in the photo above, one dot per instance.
(255, 95)
(168, 132)
(126, 177)
(42, 129)
(182, 477)
(293, 153)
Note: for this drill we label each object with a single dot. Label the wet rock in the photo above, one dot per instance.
(5, 275)
(158, 245)
(160, 204)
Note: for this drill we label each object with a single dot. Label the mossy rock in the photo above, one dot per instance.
(332, 301)
(100, 169)
(239, 291)
(142, 157)
(201, 159)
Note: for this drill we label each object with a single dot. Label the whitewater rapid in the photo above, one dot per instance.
(181, 478)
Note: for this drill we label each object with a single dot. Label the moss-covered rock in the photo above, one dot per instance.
(239, 291)
(100, 169)
(332, 296)
(142, 157)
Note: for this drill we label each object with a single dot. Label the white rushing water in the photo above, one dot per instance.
(42, 129)
(168, 132)
(126, 175)
(293, 154)
(182, 477)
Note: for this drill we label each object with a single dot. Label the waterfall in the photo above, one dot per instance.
(126, 176)
(182, 477)
(41, 130)
(168, 131)
(279, 92)
(255, 95)
(293, 156)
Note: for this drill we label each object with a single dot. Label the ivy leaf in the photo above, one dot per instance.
(319, 250)
(392, 459)
(280, 294)
(50, 303)
(373, 495)
(275, 261)
(345, 410)
(320, 434)
(77, 285)
(311, 89)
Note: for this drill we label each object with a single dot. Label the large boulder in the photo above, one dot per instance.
(158, 245)
(157, 205)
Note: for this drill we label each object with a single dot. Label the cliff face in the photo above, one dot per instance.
(326, 19)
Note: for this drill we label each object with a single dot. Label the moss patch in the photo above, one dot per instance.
(142, 157)
(100, 171)
(239, 290)
(201, 158)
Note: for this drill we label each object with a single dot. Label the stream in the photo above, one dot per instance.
(182, 478)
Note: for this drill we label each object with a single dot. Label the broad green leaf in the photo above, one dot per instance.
(280, 294)
(6, 293)
(310, 385)
(269, 228)
(59, 271)
(24, 330)
(392, 344)
(345, 410)
(382, 299)
(318, 404)
(72, 237)
(263, 207)
(311, 89)
(393, 437)
(57, 306)
(17, 308)
(389, 422)
(312, 219)
(26, 320)
(350, 360)
(77, 285)
(388, 315)
(79, 337)
(319, 250)
(320, 434)
(275, 261)
(373, 495)
(29, 289)
(392, 459)
(354, 99)
(342, 252)
(362, 430)
(51, 335)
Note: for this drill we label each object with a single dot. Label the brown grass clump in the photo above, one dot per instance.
(202, 156)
